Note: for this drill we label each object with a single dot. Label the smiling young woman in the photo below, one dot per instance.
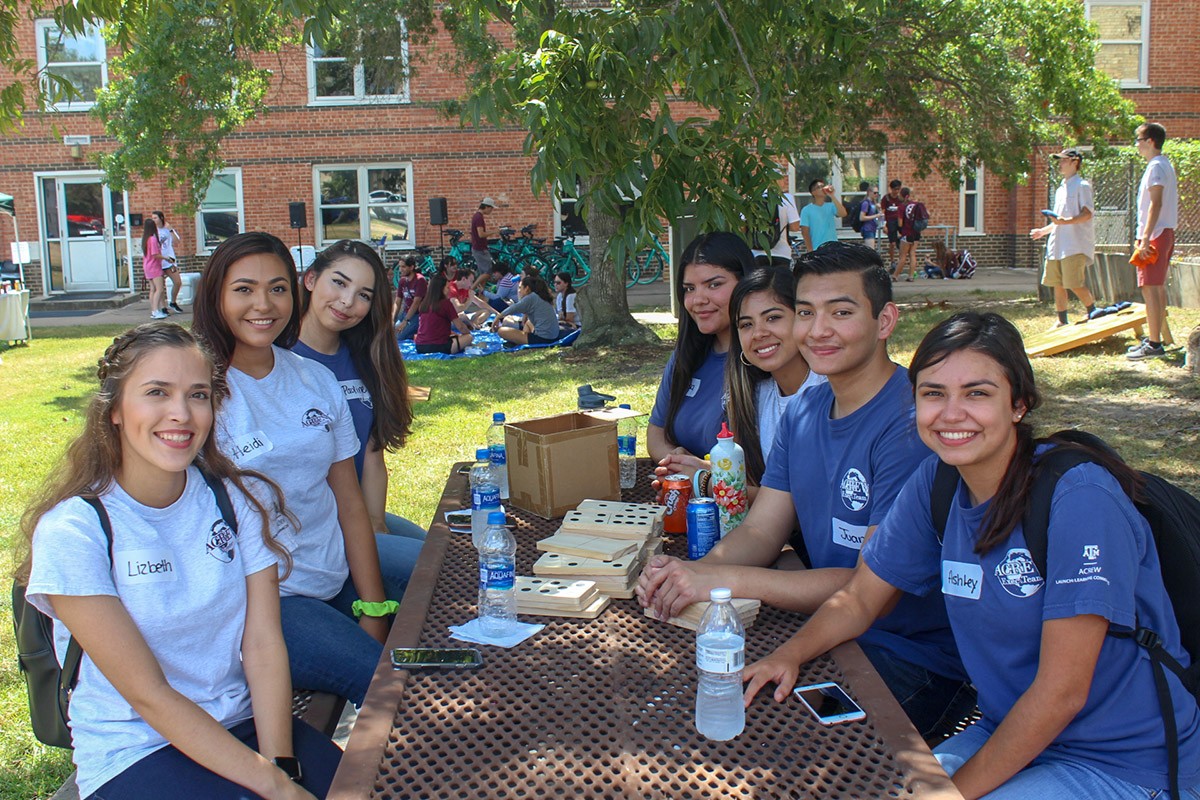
(287, 416)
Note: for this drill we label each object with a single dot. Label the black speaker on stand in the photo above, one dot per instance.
(298, 218)
(438, 217)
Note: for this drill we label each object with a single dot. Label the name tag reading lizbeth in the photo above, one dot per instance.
(249, 446)
(150, 565)
(962, 580)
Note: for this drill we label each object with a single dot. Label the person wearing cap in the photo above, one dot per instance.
(479, 236)
(1158, 213)
(1070, 236)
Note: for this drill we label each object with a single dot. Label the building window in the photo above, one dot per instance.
(365, 202)
(1123, 27)
(970, 200)
(844, 175)
(333, 80)
(220, 214)
(81, 60)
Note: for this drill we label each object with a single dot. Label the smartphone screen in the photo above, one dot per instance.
(829, 703)
(409, 657)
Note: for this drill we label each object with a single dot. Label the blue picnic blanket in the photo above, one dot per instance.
(486, 343)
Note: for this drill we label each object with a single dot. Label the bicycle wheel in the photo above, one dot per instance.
(650, 268)
(632, 270)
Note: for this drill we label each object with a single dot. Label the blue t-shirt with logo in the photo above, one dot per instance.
(843, 475)
(362, 412)
(1101, 560)
(699, 418)
(821, 221)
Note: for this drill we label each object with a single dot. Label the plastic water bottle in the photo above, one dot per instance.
(729, 480)
(627, 449)
(497, 577)
(498, 453)
(720, 656)
(485, 494)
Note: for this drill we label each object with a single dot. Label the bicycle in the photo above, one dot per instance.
(566, 257)
(647, 267)
(461, 249)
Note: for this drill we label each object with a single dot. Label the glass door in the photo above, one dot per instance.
(88, 261)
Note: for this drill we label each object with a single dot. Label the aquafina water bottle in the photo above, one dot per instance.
(720, 656)
(498, 452)
(497, 577)
(485, 494)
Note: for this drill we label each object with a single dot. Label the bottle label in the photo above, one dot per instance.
(486, 496)
(720, 660)
(497, 454)
(627, 445)
(500, 575)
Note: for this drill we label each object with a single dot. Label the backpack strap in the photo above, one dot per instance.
(221, 494)
(74, 655)
(941, 496)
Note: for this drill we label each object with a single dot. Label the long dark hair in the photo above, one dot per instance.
(434, 295)
(560, 300)
(719, 249)
(535, 284)
(995, 337)
(742, 378)
(207, 322)
(91, 462)
(149, 232)
(372, 345)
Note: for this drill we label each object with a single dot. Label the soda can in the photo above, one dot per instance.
(676, 491)
(703, 527)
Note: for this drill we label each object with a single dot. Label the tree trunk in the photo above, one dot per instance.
(1193, 352)
(602, 302)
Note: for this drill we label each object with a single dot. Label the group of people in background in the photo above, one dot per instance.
(159, 263)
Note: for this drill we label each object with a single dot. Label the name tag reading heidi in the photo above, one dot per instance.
(249, 446)
(151, 565)
(962, 580)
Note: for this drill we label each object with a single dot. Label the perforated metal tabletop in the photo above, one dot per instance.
(604, 708)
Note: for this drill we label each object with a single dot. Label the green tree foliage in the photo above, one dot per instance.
(686, 106)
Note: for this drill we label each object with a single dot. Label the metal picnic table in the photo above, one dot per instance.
(604, 708)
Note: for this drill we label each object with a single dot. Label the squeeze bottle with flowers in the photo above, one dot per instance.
(729, 480)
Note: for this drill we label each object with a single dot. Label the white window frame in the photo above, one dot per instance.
(364, 229)
(41, 26)
(976, 226)
(1143, 79)
(360, 96)
(201, 248)
(836, 179)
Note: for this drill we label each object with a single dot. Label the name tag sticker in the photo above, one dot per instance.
(151, 565)
(250, 446)
(962, 580)
(847, 534)
(695, 387)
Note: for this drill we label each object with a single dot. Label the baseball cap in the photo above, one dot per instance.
(1070, 152)
(487, 201)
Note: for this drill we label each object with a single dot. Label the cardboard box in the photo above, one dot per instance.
(556, 462)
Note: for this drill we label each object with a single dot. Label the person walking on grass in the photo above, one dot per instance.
(1070, 236)
(1158, 213)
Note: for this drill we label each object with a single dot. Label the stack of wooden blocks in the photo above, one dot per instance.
(690, 617)
(595, 556)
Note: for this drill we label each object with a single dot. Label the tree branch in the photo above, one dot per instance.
(737, 41)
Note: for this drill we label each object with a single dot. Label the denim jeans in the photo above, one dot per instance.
(327, 650)
(399, 526)
(409, 330)
(169, 773)
(933, 703)
(1049, 775)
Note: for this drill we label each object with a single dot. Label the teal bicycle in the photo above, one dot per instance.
(648, 266)
(566, 257)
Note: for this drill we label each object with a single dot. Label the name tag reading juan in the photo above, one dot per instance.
(848, 534)
(962, 580)
(150, 565)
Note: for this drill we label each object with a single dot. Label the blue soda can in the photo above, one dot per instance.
(703, 526)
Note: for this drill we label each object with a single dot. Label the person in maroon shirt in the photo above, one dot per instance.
(893, 212)
(479, 234)
(409, 294)
(437, 321)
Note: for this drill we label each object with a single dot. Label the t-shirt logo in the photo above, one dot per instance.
(220, 542)
(356, 390)
(856, 492)
(316, 418)
(1018, 575)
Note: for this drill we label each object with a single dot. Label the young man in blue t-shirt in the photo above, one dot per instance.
(839, 459)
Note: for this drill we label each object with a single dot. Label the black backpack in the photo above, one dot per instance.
(1174, 517)
(766, 238)
(854, 214)
(49, 685)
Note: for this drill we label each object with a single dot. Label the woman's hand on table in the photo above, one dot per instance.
(678, 461)
(669, 584)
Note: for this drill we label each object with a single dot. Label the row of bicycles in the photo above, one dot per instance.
(522, 249)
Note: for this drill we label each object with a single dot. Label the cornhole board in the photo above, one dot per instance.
(1068, 337)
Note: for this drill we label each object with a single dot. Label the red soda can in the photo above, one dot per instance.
(677, 491)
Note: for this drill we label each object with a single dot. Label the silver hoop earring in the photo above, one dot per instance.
(742, 356)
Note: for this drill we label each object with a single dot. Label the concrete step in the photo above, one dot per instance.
(81, 301)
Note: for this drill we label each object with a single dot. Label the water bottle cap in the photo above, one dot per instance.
(482, 454)
(498, 416)
(720, 595)
(626, 406)
(725, 432)
(496, 518)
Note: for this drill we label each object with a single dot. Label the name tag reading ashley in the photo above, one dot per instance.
(249, 446)
(962, 580)
(150, 565)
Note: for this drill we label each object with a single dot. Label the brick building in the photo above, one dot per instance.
(365, 159)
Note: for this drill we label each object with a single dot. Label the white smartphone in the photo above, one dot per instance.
(829, 703)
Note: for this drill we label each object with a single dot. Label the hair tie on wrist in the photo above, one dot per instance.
(382, 609)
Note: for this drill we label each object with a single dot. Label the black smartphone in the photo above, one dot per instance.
(436, 658)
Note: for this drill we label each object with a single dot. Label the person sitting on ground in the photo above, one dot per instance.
(941, 264)
(438, 320)
(764, 374)
(472, 312)
(344, 324)
(1067, 709)
(537, 305)
(564, 303)
(409, 292)
(183, 687)
(688, 411)
(506, 286)
(840, 457)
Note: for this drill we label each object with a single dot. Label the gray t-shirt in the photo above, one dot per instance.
(180, 572)
(545, 319)
(293, 425)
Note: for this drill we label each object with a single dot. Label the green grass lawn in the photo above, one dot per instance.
(1146, 409)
